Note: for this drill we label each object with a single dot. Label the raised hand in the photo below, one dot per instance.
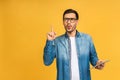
(51, 35)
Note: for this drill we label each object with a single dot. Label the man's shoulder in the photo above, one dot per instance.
(85, 35)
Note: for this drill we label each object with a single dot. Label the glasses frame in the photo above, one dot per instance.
(72, 20)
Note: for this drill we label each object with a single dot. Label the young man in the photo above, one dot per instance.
(73, 51)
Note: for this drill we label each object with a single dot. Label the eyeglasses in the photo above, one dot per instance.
(72, 20)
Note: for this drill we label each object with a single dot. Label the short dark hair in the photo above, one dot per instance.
(71, 11)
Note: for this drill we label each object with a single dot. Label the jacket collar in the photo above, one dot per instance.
(77, 34)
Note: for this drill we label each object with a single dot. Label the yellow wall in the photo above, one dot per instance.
(23, 28)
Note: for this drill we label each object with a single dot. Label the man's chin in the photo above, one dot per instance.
(69, 31)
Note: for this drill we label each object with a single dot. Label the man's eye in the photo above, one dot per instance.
(67, 18)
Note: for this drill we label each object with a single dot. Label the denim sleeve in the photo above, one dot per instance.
(93, 53)
(49, 52)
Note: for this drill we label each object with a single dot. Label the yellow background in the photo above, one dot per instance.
(23, 28)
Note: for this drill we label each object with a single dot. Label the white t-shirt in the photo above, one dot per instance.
(74, 60)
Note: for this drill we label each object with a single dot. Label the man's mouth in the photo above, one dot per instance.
(69, 27)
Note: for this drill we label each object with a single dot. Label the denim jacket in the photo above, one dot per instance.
(60, 49)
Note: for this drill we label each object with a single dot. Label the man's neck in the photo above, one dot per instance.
(72, 34)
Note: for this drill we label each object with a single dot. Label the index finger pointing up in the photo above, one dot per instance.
(51, 28)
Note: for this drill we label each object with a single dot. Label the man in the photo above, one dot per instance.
(73, 51)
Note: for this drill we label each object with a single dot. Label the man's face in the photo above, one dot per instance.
(70, 22)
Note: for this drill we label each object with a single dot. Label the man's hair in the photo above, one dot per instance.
(71, 11)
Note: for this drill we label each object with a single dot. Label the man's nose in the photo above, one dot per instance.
(68, 21)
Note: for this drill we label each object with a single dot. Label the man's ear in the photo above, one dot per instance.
(77, 22)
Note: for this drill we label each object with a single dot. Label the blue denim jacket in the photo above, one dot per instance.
(60, 49)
